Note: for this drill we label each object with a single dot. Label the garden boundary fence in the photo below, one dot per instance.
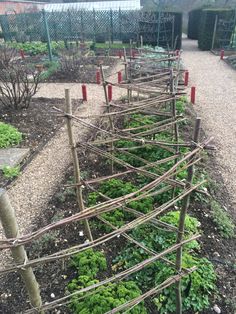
(224, 35)
(161, 28)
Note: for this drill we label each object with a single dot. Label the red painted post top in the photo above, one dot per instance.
(98, 77)
(84, 92)
(119, 77)
(193, 94)
(110, 92)
(186, 78)
(222, 54)
(22, 54)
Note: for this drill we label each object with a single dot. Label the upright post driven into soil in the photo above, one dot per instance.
(180, 234)
(173, 108)
(108, 110)
(79, 195)
(10, 227)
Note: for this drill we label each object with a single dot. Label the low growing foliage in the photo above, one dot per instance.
(196, 287)
(9, 135)
(105, 298)
(10, 172)
(223, 221)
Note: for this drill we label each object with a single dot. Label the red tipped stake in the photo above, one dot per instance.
(22, 54)
(193, 94)
(110, 92)
(84, 92)
(222, 54)
(98, 77)
(119, 77)
(186, 77)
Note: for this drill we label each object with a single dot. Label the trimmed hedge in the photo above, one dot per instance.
(206, 27)
(194, 17)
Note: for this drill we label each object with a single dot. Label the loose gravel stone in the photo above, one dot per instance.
(215, 85)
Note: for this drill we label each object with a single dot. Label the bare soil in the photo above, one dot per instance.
(38, 124)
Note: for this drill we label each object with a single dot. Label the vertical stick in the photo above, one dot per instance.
(108, 110)
(10, 226)
(193, 94)
(186, 78)
(126, 74)
(126, 65)
(84, 92)
(214, 33)
(47, 35)
(222, 54)
(79, 195)
(173, 107)
(180, 234)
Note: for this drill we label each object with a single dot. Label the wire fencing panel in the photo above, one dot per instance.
(91, 25)
(225, 33)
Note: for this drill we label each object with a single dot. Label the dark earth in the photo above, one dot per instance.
(54, 277)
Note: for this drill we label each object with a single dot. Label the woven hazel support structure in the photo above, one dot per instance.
(159, 93)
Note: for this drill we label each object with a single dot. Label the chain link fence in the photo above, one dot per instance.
(98, 26)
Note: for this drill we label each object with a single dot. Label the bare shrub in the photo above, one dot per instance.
(18, 84)
(7, 55)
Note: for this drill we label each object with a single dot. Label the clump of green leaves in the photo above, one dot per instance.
(157, 240)
(89, 263)
(51, 67)
(104, 298)
(10, 172)
(37, 47)
(115, 188)
(223, 221)
(196, 288)
(9, 135)
(108, 298)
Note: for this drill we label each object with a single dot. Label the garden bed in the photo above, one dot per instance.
(61, 273)
(38, 124)
(82, 70)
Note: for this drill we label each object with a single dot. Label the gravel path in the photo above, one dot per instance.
(215, 85)
(33, 189)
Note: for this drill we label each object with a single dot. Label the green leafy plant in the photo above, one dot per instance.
(107, 298)
(89, 262)
(52, 67)
(9, 135)
(115, 188)
(37, 47)
(196, 288)
(157, 240)
(10, 172)
(223, 221)
(104, 298)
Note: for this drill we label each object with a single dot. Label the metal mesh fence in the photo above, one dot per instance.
(99, 26)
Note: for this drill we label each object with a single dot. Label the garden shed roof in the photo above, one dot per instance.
(98, 5)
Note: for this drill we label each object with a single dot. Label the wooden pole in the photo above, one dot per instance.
(214, 33)
(175, 125)
(11, 230)
(108, 110)
(180, 234)
(78, 187)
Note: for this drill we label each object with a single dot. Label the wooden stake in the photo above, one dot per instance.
(180, 234)
(11, 230)
(78, 187)
(175, 126)
(108, 110)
